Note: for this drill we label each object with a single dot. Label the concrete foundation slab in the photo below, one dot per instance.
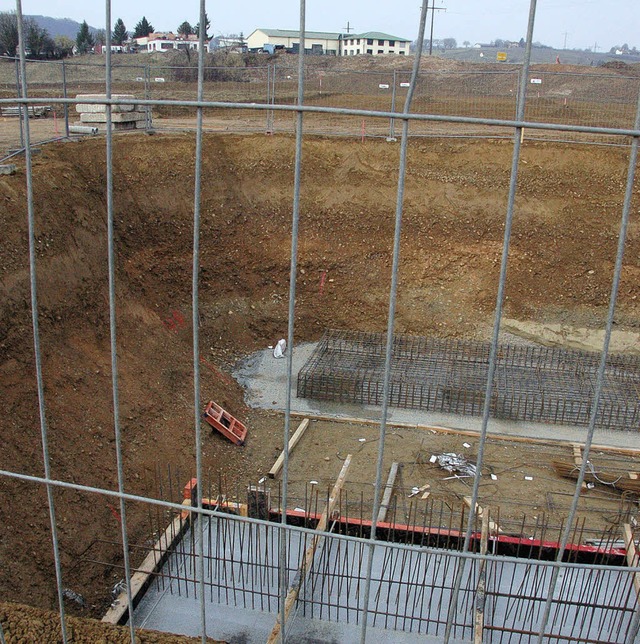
(410, 592)
(264, 379)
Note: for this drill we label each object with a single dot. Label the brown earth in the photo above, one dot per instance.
(525, 506)
(22, 624)
(563, 246)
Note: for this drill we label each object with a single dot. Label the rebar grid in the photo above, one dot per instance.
(411, 589)
(624, 595)
(536, 384)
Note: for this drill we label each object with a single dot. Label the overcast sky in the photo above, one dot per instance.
(586, 22)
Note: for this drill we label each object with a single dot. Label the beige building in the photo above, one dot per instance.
(373, 43)
(317, 42)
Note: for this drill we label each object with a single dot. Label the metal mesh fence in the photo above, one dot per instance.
(593, 98)
(538, 384)
(529, 600)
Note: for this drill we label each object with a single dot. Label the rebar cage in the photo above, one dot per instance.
(531, 383)
(551, 604)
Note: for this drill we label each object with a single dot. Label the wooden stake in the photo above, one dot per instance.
(307, 561)
(577, 459)
(478, 624)
(293, 441)
(494, 527)
(632, 556)
(388, 491)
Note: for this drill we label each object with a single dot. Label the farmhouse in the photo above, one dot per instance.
(333, 43)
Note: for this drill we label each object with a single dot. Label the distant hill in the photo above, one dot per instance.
(539, 55)
(59, 26)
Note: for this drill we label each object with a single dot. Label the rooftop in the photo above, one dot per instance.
(377, 34)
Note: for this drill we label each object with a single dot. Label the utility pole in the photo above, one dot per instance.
(433, 14)
(348, 28)
(565, 34)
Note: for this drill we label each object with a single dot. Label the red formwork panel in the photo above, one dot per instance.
(224, 423)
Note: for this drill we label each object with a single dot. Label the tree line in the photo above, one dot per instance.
(40, 44)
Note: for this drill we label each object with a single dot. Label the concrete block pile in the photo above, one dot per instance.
(123, 117)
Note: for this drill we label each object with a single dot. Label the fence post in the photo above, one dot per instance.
(392, 121)
(64, 94)
(273, 96)
(519, 71)
(147, 93)
(268, 97)
(19, 104)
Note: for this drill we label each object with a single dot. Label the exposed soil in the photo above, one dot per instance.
(530, 507)
(563, 247)
(22, 624)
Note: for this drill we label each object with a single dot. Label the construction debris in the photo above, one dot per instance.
(224, 423)
(456, 463)
(417, 490)
(623, 482)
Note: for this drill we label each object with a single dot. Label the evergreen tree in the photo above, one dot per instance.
(143, 28)
(185, 30)
(84, 39)
(120, 33)
(207, 24)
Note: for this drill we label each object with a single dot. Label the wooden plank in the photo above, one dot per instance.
(307, 561)
(626, 451)
(293, 441)
(478, 624)
(632, 556)
(577, 459)
(119, 610)
(494, 527)
(388, 491)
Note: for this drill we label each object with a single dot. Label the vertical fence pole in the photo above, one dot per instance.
(489, 404)
(113, 334)
(392, 121)
(195, 320)
(268, 126)
(147, 96)
(35, 322)
(20, 107)
(64, 94)
(391, 316)
(273, 96)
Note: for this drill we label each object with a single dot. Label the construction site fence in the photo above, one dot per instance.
(594, 98)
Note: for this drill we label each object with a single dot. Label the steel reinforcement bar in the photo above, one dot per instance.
(537, 384)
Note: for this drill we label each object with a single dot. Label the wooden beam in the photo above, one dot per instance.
(293, 441)
(577, 459)
(626, 451)
(494, 527)
(632, 556)
(478, 624)
(119, 610)
(307, 561)
(388, 491)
